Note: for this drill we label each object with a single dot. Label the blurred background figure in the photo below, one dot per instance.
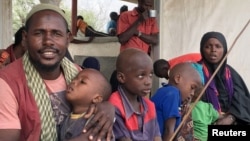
(111, 26)
(14, 51)
(91, 62)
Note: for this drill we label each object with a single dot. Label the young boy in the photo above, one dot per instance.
(203, 114)
(135, 115)
(162, 66)
(172, 97)
(89, 86)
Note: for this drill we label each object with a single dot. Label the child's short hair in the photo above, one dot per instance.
(158, 66)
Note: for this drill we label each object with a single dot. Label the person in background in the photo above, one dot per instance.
(123, 8)
(135, 29)
(172, 99)
(85, 30)
(162, 66)
(14, 51)
(111, 26)
(227, 91)
(135, 115)
(91, 62)
(33, 88)
(113, 81)
(81, 93)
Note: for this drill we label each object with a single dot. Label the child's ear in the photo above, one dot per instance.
(97, 99)
(177, 78)
(120, 77)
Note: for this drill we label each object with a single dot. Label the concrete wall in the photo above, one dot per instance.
(105, 52)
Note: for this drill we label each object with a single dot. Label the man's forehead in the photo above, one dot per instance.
(43, 7)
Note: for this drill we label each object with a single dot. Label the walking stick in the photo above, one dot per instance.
(209, 81)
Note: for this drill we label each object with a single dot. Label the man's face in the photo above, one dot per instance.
(47, 39)
(145, 5)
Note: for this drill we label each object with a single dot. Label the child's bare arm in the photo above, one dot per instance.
(157, 138)
(169, 128)
(220, 116)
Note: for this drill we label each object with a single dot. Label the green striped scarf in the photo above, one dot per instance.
(38, 89)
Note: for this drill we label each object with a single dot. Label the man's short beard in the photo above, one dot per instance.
(42, 67)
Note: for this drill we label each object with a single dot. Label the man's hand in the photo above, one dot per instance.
(144, 16)
(101, 124)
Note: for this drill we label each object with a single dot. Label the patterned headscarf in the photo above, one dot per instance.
(222, 78)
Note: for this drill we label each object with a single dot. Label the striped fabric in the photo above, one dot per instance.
(41, 96)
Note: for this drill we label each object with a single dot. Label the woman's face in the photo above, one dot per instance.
(213, 51)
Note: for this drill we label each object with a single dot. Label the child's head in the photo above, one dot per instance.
(89, 86)
(161, 68)
(186, 79)
(113, 16)
(134, 72)
(198, 68)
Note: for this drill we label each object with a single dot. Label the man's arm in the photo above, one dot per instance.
(149, 39)
(132, 30)
(9, 122)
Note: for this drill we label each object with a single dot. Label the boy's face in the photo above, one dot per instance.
(137, 79)
(188, 85)
(82, 90)
(197, 93)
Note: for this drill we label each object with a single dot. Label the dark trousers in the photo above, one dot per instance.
(90, 32)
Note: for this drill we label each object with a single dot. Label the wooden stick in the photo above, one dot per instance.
(207, 84)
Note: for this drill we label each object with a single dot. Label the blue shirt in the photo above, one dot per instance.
(111, 24)
(167, 101)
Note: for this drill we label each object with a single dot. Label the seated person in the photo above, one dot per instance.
(123, 8)
(91, 62)
(203, 114)
(83, 89)
(111, 27)
(162, 66)
(135, 115)
(85, 30)
(14, 51)
(227, 91)
(172, 99)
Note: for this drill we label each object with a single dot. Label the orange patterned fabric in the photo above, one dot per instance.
(81, 25)
(4, 57)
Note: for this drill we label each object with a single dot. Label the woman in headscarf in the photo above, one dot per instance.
(227, 91)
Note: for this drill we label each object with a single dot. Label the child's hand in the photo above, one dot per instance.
(102, 122)
(4, 59)
(225, 120)
(184, 109)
